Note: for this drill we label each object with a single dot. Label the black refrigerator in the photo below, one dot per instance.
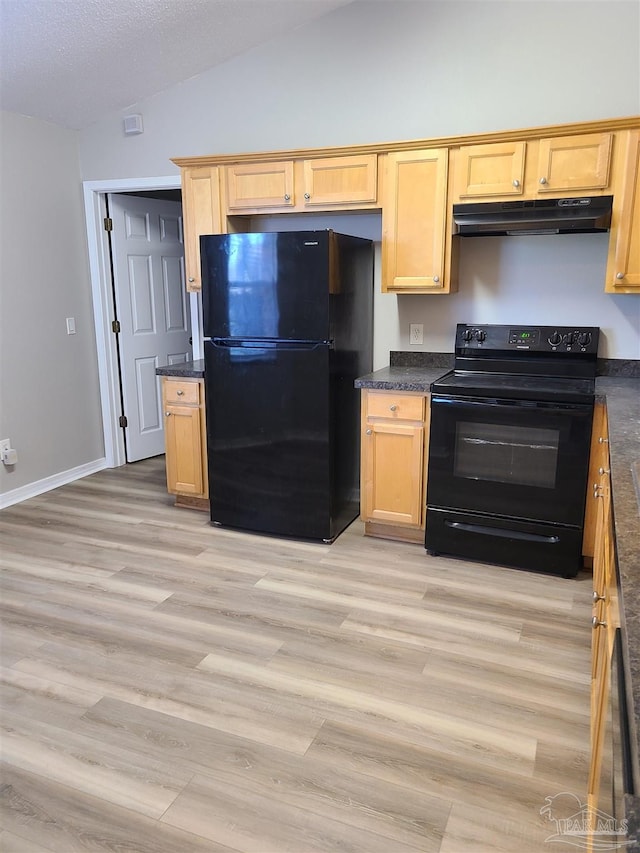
(287, 321)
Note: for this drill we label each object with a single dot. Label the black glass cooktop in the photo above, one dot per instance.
(515, 386)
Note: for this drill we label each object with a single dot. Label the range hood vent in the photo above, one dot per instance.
(588, 214)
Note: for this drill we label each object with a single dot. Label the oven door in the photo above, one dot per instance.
(517, 459)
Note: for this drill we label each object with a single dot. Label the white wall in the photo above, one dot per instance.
(49, 401)
(390, 70)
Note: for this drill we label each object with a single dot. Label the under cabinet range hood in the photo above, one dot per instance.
(587, 214)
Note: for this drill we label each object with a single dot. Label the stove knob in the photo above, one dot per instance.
(481, 335)
(467, 335)
(569, 338)
(555, 339)
(584, 339)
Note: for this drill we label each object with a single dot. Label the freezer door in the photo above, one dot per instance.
(272, 285)
(269, 441)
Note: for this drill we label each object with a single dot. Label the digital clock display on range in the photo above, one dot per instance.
(524, 337)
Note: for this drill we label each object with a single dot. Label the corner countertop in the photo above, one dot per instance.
(186, 369)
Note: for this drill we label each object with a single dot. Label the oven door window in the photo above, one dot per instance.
(515, 459)
(519, 455)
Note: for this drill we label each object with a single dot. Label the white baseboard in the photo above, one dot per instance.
(45, 485)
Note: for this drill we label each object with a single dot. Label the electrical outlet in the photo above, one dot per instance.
(415, 334)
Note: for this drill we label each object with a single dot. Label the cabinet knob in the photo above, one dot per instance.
(620, 276)
(543, 180)
(596, 490)
(597, 597)
(604, 471)
(393, 408)
(287, 197)
(179, 392)
(603, 440)
(598, 623)
(436, 278)
(166, 414)
(191, 279)
(307, 196)
(516, 183)
(369, 432)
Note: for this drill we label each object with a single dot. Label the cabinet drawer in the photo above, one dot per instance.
(182, 392)
(397, 406)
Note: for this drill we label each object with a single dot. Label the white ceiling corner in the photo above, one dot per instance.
(72, 61)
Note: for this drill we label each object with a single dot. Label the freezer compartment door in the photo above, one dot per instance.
(269, 440)
(271, 285)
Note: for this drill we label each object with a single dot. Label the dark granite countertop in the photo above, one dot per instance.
(186, 369)
(621, 391)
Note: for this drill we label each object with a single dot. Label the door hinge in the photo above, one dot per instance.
(123, 421)
(115, 327)
(108, 223)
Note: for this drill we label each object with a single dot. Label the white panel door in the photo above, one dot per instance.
(151, 305)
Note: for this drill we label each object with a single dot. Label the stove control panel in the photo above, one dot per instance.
(576, 340)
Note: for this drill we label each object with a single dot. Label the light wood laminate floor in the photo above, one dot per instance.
(170, 687)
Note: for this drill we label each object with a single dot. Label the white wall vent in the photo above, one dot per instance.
(132, 124)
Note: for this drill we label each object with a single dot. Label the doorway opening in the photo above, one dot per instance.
(104, 302)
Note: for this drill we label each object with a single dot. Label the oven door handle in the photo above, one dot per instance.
(494, 402)
(499, 531)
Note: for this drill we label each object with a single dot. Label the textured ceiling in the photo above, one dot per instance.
(72, 61)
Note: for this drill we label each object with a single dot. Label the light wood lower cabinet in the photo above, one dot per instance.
(606, 612)
(394, 445)
(185, 440)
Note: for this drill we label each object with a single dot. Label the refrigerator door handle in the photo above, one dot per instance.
(267, 343)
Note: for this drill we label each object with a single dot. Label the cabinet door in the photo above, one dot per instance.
(260, 185)
(185, 454)
(201, 213)
(490, 170)
(414, 223)
(340, 180)
(623, 268)
(393, 462)
(574, 163)
(598, 459)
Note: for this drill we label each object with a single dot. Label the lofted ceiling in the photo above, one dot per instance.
(72, 61)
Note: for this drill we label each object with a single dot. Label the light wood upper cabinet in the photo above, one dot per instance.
(416, 229)
(574, 163)
(201, 214)
(322, 183)
(623, 266)
(340, 180)
(252, 186)
(495, 169)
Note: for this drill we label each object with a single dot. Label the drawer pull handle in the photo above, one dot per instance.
(602, 440)
(598, 623)
(597, 597)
